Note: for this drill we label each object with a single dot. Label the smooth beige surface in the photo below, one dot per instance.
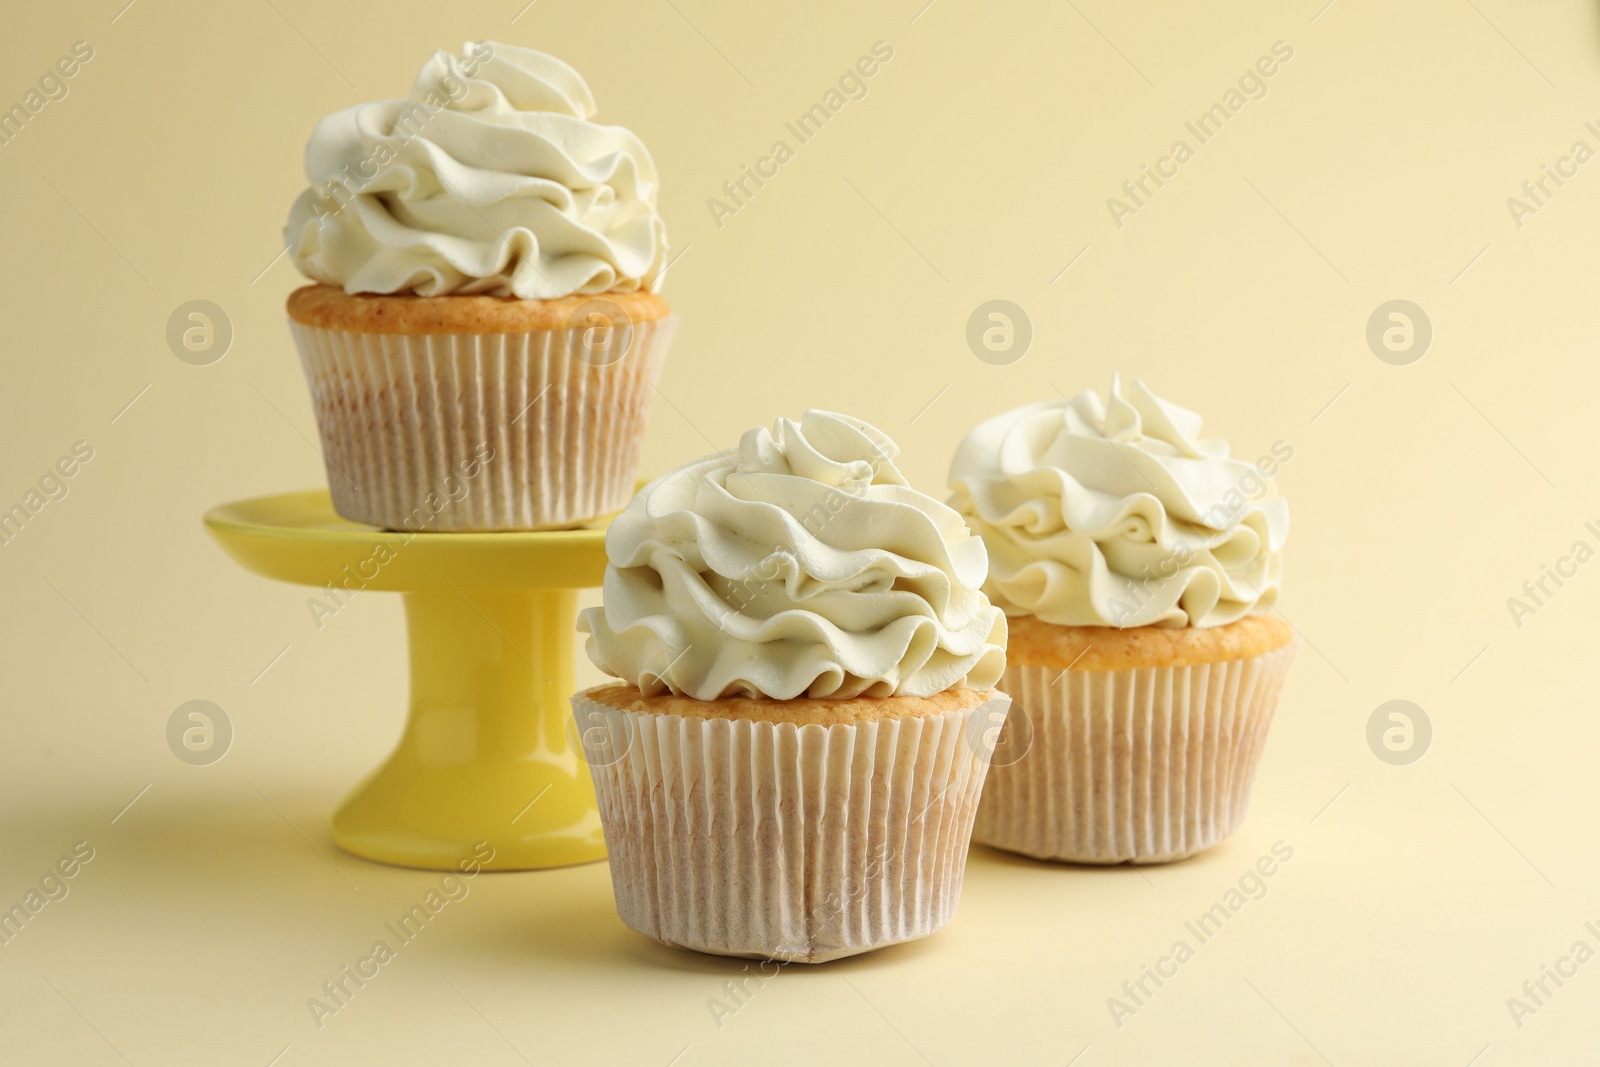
(1418, 898)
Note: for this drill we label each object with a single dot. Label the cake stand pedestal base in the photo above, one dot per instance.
(486, 760)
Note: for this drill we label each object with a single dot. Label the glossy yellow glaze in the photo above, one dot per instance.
(489, 618)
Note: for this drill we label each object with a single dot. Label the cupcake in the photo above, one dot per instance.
(1136, 563)
(485, 334)
(790, 764)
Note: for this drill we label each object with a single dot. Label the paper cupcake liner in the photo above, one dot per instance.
(777, 841)
(455, 432)
(1144, 765)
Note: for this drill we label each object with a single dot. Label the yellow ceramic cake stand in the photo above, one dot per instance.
(490, 623)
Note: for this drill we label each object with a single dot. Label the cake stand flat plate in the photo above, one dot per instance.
(299, 538)
(490, 628)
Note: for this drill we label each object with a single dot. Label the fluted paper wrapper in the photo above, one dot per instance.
(1144, 765)
(795, 843)
(403, 417)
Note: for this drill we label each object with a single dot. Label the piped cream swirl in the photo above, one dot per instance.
(799, 564)
(1116, 513)
(489, 179)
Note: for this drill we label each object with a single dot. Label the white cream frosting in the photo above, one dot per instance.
(1117, 513)
(799, 564)
(489, 179)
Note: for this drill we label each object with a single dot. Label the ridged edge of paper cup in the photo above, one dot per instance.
(1143, 765)
(776, 841)
(462, 432)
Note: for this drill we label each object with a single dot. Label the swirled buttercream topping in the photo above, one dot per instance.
(490, 178)
(1116, 512)
(799, 564)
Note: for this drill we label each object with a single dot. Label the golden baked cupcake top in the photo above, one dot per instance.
(1034, 643)
(801, 711)
(331, 308)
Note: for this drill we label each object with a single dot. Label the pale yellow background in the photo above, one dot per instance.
(978, 167)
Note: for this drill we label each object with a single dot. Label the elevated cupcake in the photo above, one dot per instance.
(1137, 563)
(791, 764)
(486, 332)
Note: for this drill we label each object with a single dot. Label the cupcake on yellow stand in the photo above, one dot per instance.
(791, 763)
(481, 345)
(488, 261)
(1137, 564)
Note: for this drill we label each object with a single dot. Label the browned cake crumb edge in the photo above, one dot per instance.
(801, 711)
(1034, 643)
(330, 308)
